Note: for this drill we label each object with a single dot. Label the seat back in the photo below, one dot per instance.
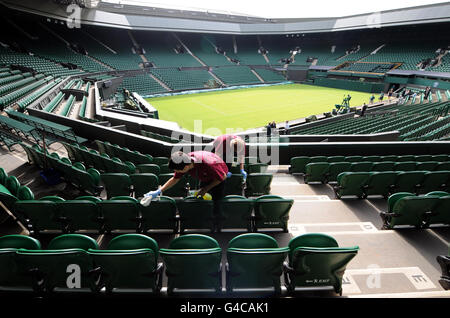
(316, 172)
(440, 212)
(233, 185)
(193, 263)
(363, 166)
(316, 260)
(148, 168)
(65, 269)
(178, 190)
(116, 184)
(411, 210)
(119, 213)
(351, 183)
(383, 166)
(298, 164)
(405, 166)
(196, 213)
(39, 215)
(235, 212)
(434, 181)
(408, 181)
(159, 215)
(255, 262)
(335, 169)
(80, 215)
(380, 183)
(258, 184)
(272, 212)
(9, 275)
(143, 183)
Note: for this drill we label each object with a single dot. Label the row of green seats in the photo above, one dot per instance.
(124, 213)
(100, 161)
(50, 128)
(8, 139)
(35, 95)
(11, 190)
(298, 164)
(159, 137)
(120, 184)
(325, 172)
(363, 184)
(126, 154)
(254, 262)
(86, 180)
(405, 208)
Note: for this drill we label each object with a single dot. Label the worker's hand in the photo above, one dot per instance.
(201, 193)
(229, 174)
(149, 196)
(153, 194)
(244, 174)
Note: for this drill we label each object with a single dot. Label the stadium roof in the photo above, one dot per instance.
(212, 18)
(280, 9)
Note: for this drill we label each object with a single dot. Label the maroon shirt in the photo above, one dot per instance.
(222, 146)
(207, 167)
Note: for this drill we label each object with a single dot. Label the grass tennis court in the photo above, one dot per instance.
(251, 107)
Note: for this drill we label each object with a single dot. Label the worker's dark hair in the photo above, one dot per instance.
(178, 160)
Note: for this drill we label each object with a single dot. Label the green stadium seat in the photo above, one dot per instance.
(434, 181)
(159, 215)
(258, 184)
(193, 264)
(254, 263)
(272, 212)
(426, 165)
(405, 166)
(335, 169)
(315, 261)
(63, 269)
(383, 166)
(353, 158)
(149, 168)
(361, 166)
(129, 265)
(236, 213)
(380, 183)
(234, 185)
(298, 164)
(408, 181)
(143, 183)
(444, 262)
(407, 158)
(423, 158)
(351, 184)
(440, 213)
(336, 159)
(407, 209)
(10, 278)
(119, 213)
(442, 166)
(178, 190)
(116, 184)
(316, 172)
(80, 214)
(196, 214)
(39, 215)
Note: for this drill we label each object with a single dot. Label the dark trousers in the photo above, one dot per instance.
(217, 193)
